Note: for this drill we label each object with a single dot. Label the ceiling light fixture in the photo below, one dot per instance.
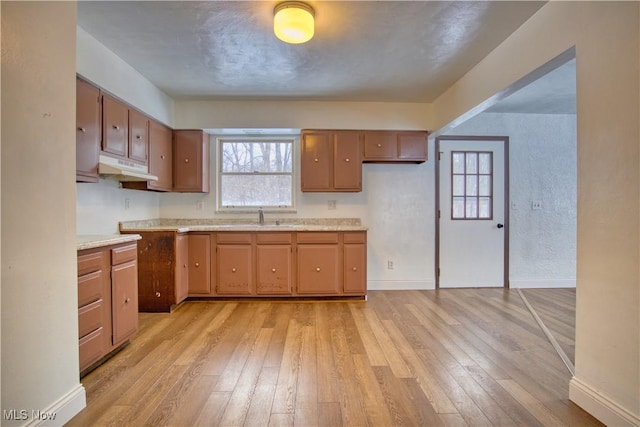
(293, 22)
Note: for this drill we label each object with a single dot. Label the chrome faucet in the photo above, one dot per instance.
(260, 216)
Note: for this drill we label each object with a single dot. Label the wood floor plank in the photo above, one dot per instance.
(285, 397)
(372, 348)
(306, 406)
(350, 391)
(244, 389)
(213, 409)
(262, 400)
(535, 407)
(328, 388)
(446, 357)
(394, 360)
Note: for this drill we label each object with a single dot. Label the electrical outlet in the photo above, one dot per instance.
(536, 205)
(331, 205)
(127, 204)
(390, 265)
(199, 205)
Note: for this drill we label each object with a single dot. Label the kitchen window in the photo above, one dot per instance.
(255, 172)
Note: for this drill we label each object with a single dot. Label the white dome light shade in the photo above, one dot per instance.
(293, 22)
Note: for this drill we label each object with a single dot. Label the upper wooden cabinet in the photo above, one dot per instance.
(190, 161)
(331, 161)
(160, 160)
(115, 127)
(138, 137)
(395, 146)
(125, 131)
(88, 129)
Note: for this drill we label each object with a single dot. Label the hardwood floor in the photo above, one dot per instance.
(403, 358)
(557, 309)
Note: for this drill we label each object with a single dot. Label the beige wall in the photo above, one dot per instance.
(302, 114)
(606, 37)
(39, 291)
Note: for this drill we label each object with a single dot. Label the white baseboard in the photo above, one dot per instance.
(542, 283)
(601, 407)
(63, 410)
(400, 285)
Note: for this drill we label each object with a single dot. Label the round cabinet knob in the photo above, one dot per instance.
(138, 137)
(127, 300)
(116, 127)
(379, 145)
(83, 130)
(347, 160)
(500, 225)
(355, 268)
(185, 266)
(186, 160)
(315, 160)
(318, 269)
(162, 157)
(157, 294)
(273, 270)
(197, 264)
(233, 270)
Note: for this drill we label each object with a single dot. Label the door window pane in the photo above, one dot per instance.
(471, 189)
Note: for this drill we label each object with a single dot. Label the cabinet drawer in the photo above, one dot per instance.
(123, 254)
(278, 238)
(91, 349)
(237, 238)
(88, 263)
(355, 237)
(318, 237)
(89, 288)
(89, 318)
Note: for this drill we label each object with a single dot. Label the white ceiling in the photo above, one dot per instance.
(386, 51)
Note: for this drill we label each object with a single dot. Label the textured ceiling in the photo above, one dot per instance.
(393, 51)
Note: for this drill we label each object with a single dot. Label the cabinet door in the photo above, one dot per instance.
(124, 301)
(380, 145)
(138, 137)
(318, 270)
(115, 126)
(88, 128)
(347, 161)
(160, 156)
(317, 161)
(355, 269)
(235, 270)
(190, 161)
(274, 269)
(199, 271)
(412, 146)
(182, 267)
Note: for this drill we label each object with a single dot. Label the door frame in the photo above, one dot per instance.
(505, 140)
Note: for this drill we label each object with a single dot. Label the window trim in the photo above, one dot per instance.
(294, 139)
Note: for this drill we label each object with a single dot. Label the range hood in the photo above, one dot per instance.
(123, 170)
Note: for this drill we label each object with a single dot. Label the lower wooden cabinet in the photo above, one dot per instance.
(249, 264)
(199, 264)
(107, 300)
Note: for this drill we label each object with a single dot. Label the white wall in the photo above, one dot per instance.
(542, 157)
(100, 206)
(606, 40)
(39, 292)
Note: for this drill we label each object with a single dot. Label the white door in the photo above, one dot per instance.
(472, 233)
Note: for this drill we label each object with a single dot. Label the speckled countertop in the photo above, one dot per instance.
(300, 224)
(90, 241)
